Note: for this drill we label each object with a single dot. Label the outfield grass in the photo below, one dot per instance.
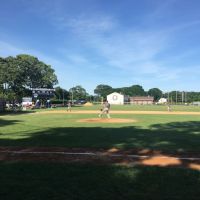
(39, 180)
(134, 108)
(164, 132)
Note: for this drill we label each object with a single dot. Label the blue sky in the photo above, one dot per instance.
(153, 43)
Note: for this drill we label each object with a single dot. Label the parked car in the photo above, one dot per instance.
(80, 102)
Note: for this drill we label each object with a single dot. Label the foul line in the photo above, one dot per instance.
(102, 155)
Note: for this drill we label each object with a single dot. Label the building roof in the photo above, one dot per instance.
(141, 98)
(115, 93)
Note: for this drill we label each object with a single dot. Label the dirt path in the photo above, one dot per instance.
(119, 112)
(131, 157)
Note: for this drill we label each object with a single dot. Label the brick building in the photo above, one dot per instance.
(141, 100)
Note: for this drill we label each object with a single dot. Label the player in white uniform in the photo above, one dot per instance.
(105, 109)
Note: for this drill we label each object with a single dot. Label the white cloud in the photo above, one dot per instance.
(99, 43)
(127, 50)
(133, 51)
(96, 24)
(7, 49)
(120, 48)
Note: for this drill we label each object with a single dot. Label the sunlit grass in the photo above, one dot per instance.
(188, 108)
(165, 132)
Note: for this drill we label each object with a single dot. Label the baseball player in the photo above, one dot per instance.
(105, 109)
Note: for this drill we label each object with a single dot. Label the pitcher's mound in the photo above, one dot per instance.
(106, 120)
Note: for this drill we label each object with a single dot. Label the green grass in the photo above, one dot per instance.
(44, 181)
(163, 132)
(144, 108)
(135, 108)
(39, 180)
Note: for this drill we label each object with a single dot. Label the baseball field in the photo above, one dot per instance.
(141, 152)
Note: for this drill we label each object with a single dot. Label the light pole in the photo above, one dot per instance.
(168, 97)
(72, 96)
(186, 97)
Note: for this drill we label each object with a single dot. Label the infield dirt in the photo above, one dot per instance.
(132, 157)
(120, 112)
(106, 120)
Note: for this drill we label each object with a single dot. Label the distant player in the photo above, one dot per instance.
(169, 109)
(69, 106)
(105, 109)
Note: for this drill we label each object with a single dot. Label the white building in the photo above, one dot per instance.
(162, 101)
(115, 98)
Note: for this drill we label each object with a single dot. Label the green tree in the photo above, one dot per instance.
(36, 73)
(103, 90)
(61, 93)
(136, 90)
(11, 77)
(182, 97)
(192, 96)
(78, 92)
(156, 93)
(23, 72)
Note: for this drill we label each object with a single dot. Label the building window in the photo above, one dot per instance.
(115, 97)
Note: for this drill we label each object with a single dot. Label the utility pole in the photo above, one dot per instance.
(186, 97)
(63, 96)
(182, 97)
(168, 97)
(72, 96)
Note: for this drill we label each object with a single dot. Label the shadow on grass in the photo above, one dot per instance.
(20, 180)
(19, 112)
(175, 137)
(8, 122)
(44, 181)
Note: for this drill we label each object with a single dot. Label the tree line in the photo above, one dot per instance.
(137, 90)
(21, 73)
(134, 90)
(101, 91)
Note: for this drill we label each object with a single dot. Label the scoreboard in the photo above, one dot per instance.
(42, 92)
